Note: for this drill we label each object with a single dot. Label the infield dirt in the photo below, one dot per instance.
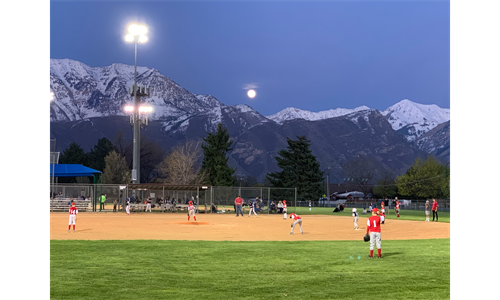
(228, 227)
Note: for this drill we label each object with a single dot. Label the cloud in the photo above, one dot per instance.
(249, 86)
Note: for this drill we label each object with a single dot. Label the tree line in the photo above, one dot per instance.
(206, 162)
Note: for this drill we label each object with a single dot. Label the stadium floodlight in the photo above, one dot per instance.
(145, 109)
(129, 108)
(136, 34)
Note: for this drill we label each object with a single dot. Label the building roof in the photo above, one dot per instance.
(71, 170)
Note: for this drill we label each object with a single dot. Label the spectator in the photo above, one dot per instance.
(132, 199)
(115, 204)
(60, 195)
(280, 207)
(370, 208)
(102, 200)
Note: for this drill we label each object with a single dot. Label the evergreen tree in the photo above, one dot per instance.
(215, 163)
(300, 169)
(74, 154)
(98, 153)
(386, 187)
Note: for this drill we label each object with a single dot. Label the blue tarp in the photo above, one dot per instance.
(71, 170)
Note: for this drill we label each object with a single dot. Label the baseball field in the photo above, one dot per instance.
(220, 256)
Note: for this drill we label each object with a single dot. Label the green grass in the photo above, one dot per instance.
(404, 214)
(154, 269)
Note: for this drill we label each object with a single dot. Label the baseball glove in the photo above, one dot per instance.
(366, 238)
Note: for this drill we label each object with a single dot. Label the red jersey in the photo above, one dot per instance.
(295, 217)
(373, 224)
(238, 201)
(397, 205)
(73, 210)
(382, 205)
(191, 207)
(434, 205)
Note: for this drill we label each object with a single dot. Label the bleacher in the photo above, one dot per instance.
(63, 204)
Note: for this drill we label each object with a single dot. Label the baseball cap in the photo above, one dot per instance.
(354, 209)
(72, 203)
(375, 209)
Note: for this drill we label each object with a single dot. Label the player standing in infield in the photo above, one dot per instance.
(427, 211)
(355, 217)
(252, 207)
(373, 227)
(297, 220)
(191, 210)
(396, 209)
(72, 216)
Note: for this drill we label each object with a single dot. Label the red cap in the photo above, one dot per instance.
(284, 200)
(375, 209)
(72, 203)
(190, 202)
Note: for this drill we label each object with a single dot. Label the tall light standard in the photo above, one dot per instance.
(136, 34)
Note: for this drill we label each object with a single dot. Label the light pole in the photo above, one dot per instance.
(136, 34)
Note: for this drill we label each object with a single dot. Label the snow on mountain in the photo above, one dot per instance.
(81, 92)
(414, 119)
(291, 113)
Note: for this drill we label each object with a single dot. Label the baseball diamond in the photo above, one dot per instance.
(216, 227)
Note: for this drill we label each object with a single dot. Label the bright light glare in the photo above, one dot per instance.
(136, 29)
(129, 38)
(129, 108)
(143, 39)
(145, 109)
(51, 96)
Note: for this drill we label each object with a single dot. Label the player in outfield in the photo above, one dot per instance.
(373, 227)
(297, 220)
(73, 211)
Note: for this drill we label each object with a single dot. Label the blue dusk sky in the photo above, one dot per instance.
(312, 55)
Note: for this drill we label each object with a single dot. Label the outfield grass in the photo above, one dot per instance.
(413, 215)
(156, 269)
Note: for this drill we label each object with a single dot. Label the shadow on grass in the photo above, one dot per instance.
(389, 254)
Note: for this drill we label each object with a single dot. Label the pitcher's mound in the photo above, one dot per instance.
(193, 223)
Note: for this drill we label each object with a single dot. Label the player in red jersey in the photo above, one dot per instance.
(297, 220)
(396, 209)
(373, 227)
(191, 210)
(382, 217)
(72, 216)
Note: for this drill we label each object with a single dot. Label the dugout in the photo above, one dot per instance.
(75, 170)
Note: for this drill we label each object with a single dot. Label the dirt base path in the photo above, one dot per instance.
(219, 227)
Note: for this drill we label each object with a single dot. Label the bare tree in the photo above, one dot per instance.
(360, 173)
(182, 165)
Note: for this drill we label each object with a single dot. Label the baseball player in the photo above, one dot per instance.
(284, 209)
(382, 217)
(148, 204)
(355, 217)
(191, 210)
(373, 227)
(252, 207)
(434, 210)
(396, 209)
(127, 208)
(382, 207)
(310, 205)
(72, 216)
(297, 220)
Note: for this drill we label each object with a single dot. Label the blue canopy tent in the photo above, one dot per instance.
(75, 170)
(72, 170)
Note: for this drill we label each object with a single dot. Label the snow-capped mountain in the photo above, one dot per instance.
(409, 118)
(89, 105)
(292, 113)
(414, 119)
(82, 92)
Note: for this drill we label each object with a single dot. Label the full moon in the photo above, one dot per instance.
(251, 93)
